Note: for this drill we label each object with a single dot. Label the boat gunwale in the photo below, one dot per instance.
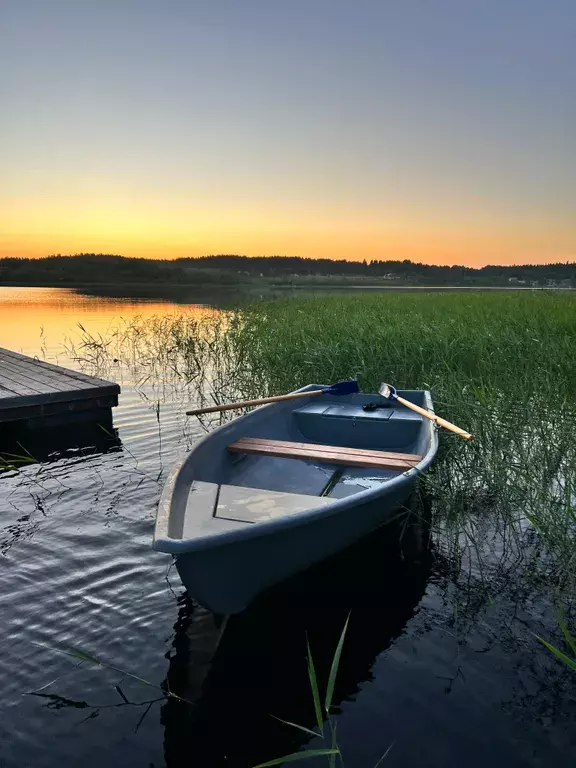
(164, 543)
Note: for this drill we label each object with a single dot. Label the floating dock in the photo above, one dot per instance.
(40, 394)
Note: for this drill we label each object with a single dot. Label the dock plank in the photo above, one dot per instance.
(27, 368)
(37, 364)
(34, 389)
(41, 364)
(19, 387)
(40, 378)
(6, 392)
(21, 382)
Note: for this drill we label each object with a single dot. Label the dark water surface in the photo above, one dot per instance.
(443, 667)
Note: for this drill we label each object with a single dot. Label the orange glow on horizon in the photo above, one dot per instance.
(393, 131)
(37, 228)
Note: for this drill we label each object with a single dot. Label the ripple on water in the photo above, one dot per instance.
(78, 571)
(433, 662)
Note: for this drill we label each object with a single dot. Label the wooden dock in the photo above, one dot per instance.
(41, 394)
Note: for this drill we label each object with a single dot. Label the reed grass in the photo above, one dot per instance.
(82, 656)
(500, 365)
(201, 357)
(326, 728)
(569, 657)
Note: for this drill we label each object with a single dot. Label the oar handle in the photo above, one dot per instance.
(261, 401)
(432, 416)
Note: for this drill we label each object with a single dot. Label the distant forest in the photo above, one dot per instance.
(227, 270)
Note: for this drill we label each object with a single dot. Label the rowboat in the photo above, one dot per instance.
(283, 487)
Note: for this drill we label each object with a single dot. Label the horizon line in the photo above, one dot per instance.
(363, 262)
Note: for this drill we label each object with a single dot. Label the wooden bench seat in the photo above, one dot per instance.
(327, 454)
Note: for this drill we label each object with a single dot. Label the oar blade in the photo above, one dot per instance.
(348, 387)
(387, 391)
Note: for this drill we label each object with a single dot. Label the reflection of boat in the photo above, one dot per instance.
(259, 668)
(272, 492)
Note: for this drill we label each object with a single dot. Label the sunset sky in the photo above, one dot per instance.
(442, 131)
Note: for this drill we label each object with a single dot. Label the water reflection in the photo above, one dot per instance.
(258, 669)
(23, 444)
(37, 320)
(214, 295)
(463, 680)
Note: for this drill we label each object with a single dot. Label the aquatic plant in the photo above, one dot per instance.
(498, 364)
(325, 725)
(570, 640)
(9, 462)
(83, 657)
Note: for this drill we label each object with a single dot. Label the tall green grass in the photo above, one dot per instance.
(502, 365)
(467, 348)
(202, 356)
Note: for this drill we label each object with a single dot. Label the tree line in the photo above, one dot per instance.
(232, 269)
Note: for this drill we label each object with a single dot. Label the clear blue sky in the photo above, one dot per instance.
(438, 130)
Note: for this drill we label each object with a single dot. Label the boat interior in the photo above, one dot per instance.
(298, 455)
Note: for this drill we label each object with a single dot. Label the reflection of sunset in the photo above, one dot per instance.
(31, 316)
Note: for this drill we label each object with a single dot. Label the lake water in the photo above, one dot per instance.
(434, 664)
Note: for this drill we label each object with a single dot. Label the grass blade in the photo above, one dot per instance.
(315, 692)
(570, 641)
(334, 668)
(559, 654)
(299, 756)
(80, 655)
(332, 758)
(295, 725)
(77, 653)
(384, 756)
(17, 457)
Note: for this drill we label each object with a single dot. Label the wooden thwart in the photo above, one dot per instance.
(326, 454)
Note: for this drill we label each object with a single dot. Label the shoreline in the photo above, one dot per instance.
(254, 285)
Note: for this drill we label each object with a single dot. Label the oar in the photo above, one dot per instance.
(340, 388)
(389, 392)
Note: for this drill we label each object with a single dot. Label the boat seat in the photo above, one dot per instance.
(211, 502)
(356, 412)
(327, 454)
(396, 427)
(252, 505)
